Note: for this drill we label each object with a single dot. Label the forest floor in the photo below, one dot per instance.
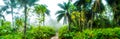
(55, 37)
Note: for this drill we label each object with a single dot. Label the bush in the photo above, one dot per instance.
(12, 36)
(5, 28)
(106, 33)
(63, 33)
(41, 32)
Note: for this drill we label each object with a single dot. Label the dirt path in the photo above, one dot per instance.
(55, 37)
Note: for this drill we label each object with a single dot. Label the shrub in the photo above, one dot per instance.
(106, 33)
(41, 32)
(12, 36)
(5, 28)
(63, 33)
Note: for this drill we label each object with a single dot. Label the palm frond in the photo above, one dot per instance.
(3, 8)
(47, 12)
(60, 12)
(98, 6)
(59, 17)
(62, 6)
(27, 2)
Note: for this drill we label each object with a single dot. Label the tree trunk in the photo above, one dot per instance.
(91, 23)
(43, 19)
(39, 20)
(12, 17)
(69, 21)
(2, 22)
(25, 11)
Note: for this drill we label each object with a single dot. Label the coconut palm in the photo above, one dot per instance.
(2, 9)
(10, 4)
(41, 10)
(115, 4)
(67, 8)
(25, 4)
(97, 8)
(2, 17)
(90, 9)
(82, 4)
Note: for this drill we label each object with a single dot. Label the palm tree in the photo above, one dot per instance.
(115, 4)
(97, 8)
(18, 22)
(11, 4)
(82, 4)
(83, 7)
(2, 17)
(2, 9)
(41, 10)
(25, 4)
(65, 13)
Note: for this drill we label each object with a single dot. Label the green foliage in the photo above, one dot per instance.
(5, 28)
(19, 22)
(63, 33)
(101, 23)
(40, 9)
(109, 33)
(12, 36)
(106, 33)
(67, 8)
(26, 2)
(40, 32)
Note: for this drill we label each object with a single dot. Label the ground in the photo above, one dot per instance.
(55, 37)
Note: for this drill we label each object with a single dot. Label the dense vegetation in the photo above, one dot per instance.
(83, 19)
(101, 33)
(38, 32)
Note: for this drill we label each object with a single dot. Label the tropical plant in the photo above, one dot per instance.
(25, 4)
(102, 33)
(18, 23)
(2, 17)
(5, 28)
(9, 4)
(115, 4)
(82, 4)
(2, 9)
(40, 32)
(78, 19)
(41, 10)
(67, 8)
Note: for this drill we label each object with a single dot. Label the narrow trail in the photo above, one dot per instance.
(55, 37)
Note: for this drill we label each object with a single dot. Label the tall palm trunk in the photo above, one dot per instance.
(91, 24)
(12, 17)
(25, 11)
(69, 21)
(43, 19)
(80, 24)
(39, 20)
